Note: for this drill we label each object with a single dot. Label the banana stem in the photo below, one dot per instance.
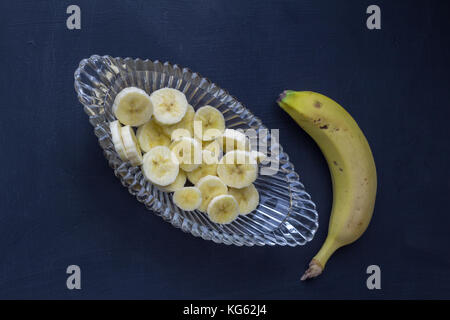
(317, 264)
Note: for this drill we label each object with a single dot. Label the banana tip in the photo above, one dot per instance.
(314, 270)
(283, 95)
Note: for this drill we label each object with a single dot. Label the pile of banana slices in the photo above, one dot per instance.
(180, 150)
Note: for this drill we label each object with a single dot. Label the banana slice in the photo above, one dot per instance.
(223, 209)
(160, 166)
(179, 183)
(209, 123)
(237, 169)
(233, 140)
(247, 198)
(189, 153)
(212, 152)
(151, 135)
(116, 138)
(210, 187)
(187, 123)
(203, 170)
(132, 150)
(132, 106)
(169, 105)
(188, 198)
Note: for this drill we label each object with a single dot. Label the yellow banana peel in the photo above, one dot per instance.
(351, 164)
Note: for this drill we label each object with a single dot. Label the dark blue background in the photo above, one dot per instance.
(61, 204)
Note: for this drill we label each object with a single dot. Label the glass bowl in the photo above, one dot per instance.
(285, 215)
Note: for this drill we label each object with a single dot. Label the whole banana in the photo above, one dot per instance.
(351, 164)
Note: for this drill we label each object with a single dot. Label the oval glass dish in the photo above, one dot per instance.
(285, 215)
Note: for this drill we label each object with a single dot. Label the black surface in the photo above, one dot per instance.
(60, 203)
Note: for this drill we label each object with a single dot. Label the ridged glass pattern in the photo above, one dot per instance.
(285, 216)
